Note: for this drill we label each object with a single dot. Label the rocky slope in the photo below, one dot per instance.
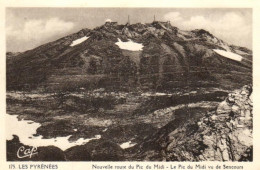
(169, 58)
(201, 131)
(223, 134)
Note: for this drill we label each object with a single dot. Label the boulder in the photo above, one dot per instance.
(78, 153)
(107, 151)
(49, 153)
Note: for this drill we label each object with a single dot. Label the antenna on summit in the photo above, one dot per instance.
(154, 18)
(128, 20)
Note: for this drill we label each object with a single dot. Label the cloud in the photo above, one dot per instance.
(37, 31)
(108, 20)
(231, 26)
(173, 16)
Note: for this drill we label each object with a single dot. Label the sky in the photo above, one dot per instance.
(27, 28)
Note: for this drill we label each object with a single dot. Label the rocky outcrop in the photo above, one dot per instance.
(223, 134)
(228, 131)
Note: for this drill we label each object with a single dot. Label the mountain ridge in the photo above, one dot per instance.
(166, 49)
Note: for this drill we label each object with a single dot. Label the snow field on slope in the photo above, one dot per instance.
(25, 130)
(129, 45)
(229, 55)
(78, 41)
(126, 145)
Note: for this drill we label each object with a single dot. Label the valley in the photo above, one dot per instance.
(124, 118)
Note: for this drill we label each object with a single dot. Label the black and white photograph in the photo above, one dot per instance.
(129, 84)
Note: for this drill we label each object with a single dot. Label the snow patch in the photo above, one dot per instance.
(129, 45)
(128, 144)
(21, 95)
(229, 55)
(78, 41)
(25, 129)
(149, 94)
(104, 130)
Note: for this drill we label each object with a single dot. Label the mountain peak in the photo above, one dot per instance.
(162, 48)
